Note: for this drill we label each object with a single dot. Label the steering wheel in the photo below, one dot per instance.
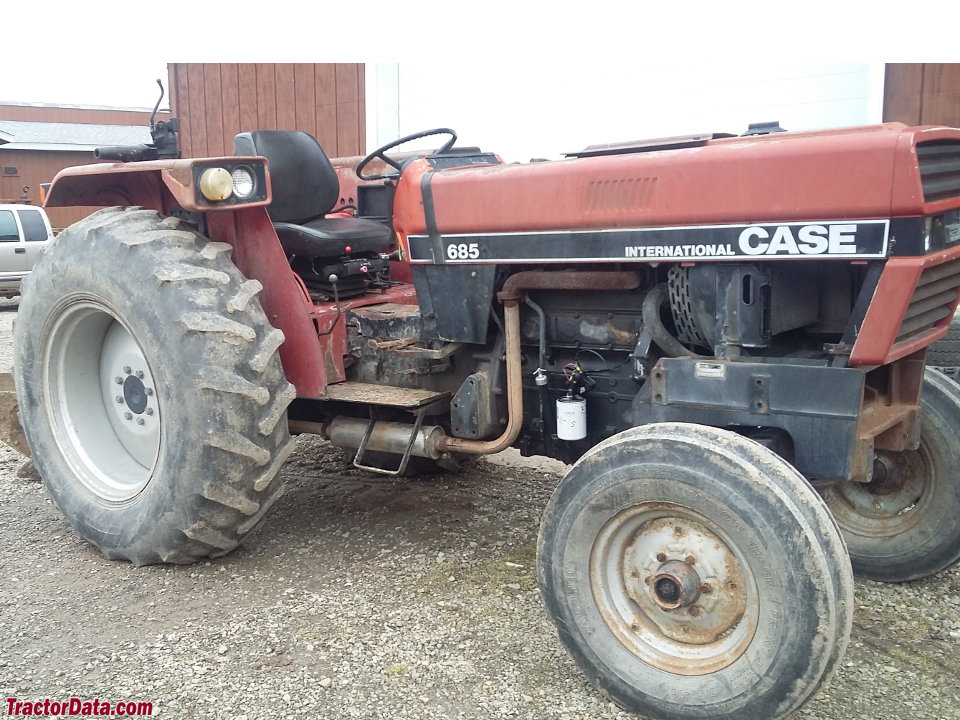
(380, 152)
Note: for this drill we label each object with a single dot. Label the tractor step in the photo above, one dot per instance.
(405, 458)
(371, 394)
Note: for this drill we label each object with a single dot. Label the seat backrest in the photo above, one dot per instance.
(305, 185)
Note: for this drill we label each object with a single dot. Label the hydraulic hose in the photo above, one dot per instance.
(125, 153)
(540, 378)
(650, 313)
(543, 331)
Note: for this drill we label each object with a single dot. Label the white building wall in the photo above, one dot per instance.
(549, 106)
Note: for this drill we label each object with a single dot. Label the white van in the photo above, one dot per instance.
(24, 230)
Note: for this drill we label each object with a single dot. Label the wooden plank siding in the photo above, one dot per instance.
(286, 92)
(213, 106)
(215, 101)
(922, 93)
(66, 114)
(326, 106)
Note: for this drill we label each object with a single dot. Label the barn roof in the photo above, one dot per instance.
(23, 135)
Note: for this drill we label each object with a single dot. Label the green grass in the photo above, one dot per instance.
(492, 575)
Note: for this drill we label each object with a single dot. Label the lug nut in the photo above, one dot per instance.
(119, 398)
(690, 559)
(119, 380)
(127, 416)
(149, 391)
(661, 557)
(695, 610)
(149, 411)
(706, 588)
(140, 374)
(126, 369)
(140, 421)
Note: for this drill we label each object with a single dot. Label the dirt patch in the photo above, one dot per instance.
(10, 431)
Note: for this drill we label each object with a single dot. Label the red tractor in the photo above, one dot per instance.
(725, 335)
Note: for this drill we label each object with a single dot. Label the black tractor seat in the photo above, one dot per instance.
(305, 189)
(333, 237)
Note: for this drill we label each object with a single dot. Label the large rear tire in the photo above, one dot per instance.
(903, 525)
(691, 573)
(150, 388)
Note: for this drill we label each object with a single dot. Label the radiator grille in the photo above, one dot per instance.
(621, 195)
(939, 169)
(932, 299)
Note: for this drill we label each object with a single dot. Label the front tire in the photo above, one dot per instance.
(691, 573)
(903, 525)
(150, 388)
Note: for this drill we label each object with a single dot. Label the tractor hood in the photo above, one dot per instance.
(872, 172)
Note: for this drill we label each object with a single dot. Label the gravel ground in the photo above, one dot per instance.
(369, 598)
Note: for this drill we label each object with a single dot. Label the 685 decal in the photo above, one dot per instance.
(463, 251)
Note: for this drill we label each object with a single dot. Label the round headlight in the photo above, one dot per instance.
(216, 184)
(244, 183)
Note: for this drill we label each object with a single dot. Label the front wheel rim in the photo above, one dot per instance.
(101, 397)
(893, 501)
(673, 589)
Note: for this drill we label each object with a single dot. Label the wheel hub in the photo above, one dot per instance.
(133, 414)
(675, 585)
(135, 394)
(889, 475)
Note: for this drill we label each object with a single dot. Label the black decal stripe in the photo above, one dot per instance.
(714, 242)
(870, 281)
(430, 216)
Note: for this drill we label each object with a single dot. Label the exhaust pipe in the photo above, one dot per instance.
(390, 437)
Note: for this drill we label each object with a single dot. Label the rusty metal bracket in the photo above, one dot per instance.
(426, 353)
(760, 394)
(889, 414)
(390, 344)
(421, 413)
(658, 385)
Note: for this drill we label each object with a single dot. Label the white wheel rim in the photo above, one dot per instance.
(103, 403)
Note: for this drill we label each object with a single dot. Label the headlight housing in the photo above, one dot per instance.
(224, 183)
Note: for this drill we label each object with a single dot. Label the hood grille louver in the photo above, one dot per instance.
(939, 169)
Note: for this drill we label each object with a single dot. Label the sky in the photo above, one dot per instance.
(90, 82)
(111, 52)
